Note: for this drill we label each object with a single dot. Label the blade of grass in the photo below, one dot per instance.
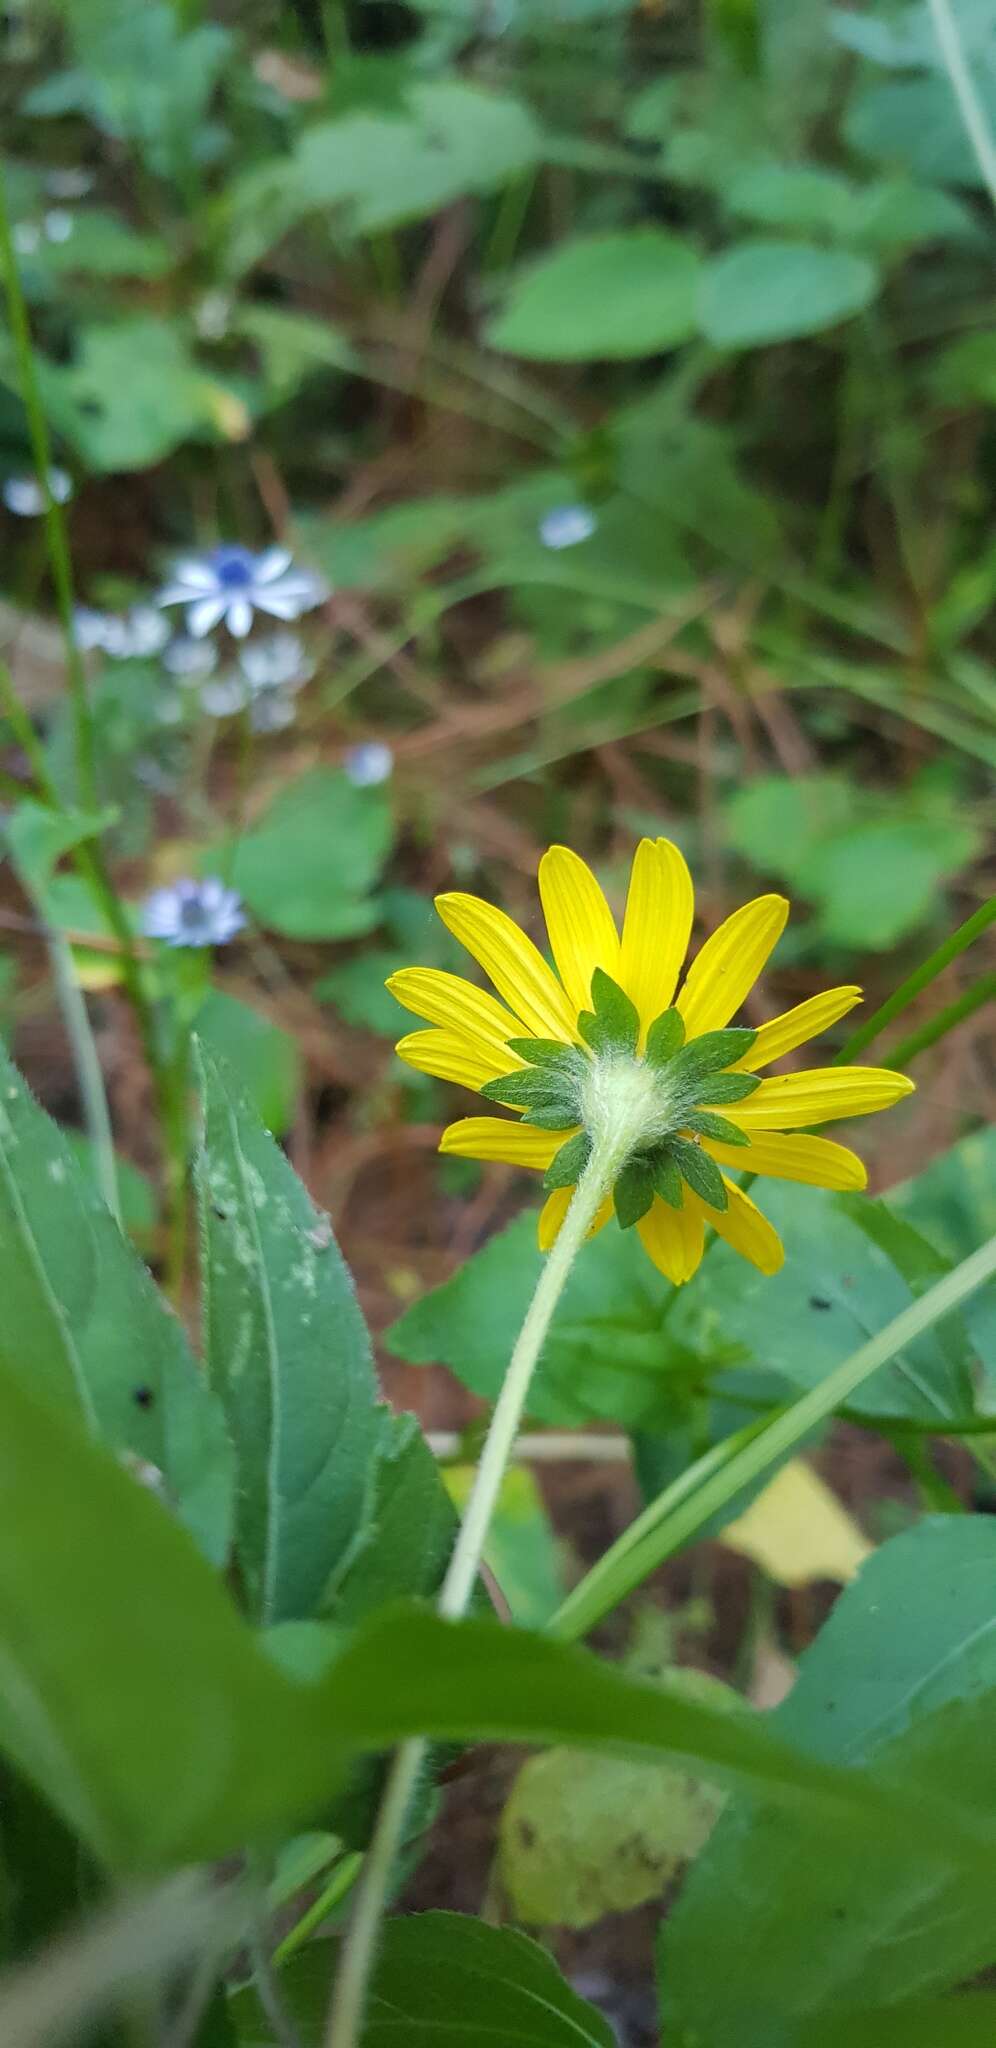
(683, 1508)
(915, 983)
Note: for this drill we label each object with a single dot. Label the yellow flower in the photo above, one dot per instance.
(599, 1040)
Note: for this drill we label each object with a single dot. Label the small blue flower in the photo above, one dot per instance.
(231, 584)
(369, 764)
(190, 661)
(566, 526)
(193, 913)
(132, 636)
(24, 495)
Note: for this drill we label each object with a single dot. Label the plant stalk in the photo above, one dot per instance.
(356, 1959)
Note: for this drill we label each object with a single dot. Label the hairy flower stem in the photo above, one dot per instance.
(608, 1157)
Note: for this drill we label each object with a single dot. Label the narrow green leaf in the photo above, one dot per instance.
(534, 1088)
(667, 1180)
(545, 1052)
(711, 1052)
(287, 1350)
(613, 1025)
(83, 1324)
(633, 1192)
(558, 1114)
(665, 1037)
(566, 1169)
(706, 1125)
(701, 1172)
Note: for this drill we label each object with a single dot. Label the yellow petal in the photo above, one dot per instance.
(794, 1027)
(495, 1137)
(582, 928)
(451, 1057)
(786, 1102)
(816, 1161)
(656, 927)
(448, 1000)
(744, 1227)
(554, 1210)
(518, 970)
(727, 966)
(674, 1238)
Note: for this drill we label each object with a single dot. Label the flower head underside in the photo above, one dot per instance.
(614, 1047)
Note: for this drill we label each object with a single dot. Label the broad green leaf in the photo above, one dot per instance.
(265, 1059)
(584, 1836)
(953, 1203)
(850, 1267)
(288, 1353)
(631, 293)
(966, 2020)
(310, 865)
(439, 1975)
(292, 347)
(381, 169)
(132, 395)
(607, 1354)
(914, 125)
(131, 1694)
(522, 1551)
(103, 245)
(761, 292)
(84, 1326)
(408, 1526)
(910, 1641)
(139, 1703)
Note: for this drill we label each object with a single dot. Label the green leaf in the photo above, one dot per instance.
(408, 1527)
(265, 1059)
(909, 1638)
(701, 1172)
(665, 1037)
(769, 291)
(383, 169)
(523, 1551)
(707, 1126)
(84, 1326)
(715, 1088)
(915, 124)
(667, 1180)
(584, 1836)
(566, 1169)
(309, 867)
(613, 1023)
(633, 1193)
(134, 1698)
(287, 1351)
(440, 1973)
(630, 293)
(606, 1354)
(710, 1053)
(133, 394)
(850, 1267)
(966, 2020)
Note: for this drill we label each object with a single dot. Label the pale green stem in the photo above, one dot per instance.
(969, 104)
(90, 1079)
(359, 1946)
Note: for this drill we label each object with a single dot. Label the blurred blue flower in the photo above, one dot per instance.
(231, 584)
(25, 496)
(566, 526)
(130, 636)
(193, 913)
(369, 764)
(190, 661)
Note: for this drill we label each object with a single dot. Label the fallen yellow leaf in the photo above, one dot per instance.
(797, 1530)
